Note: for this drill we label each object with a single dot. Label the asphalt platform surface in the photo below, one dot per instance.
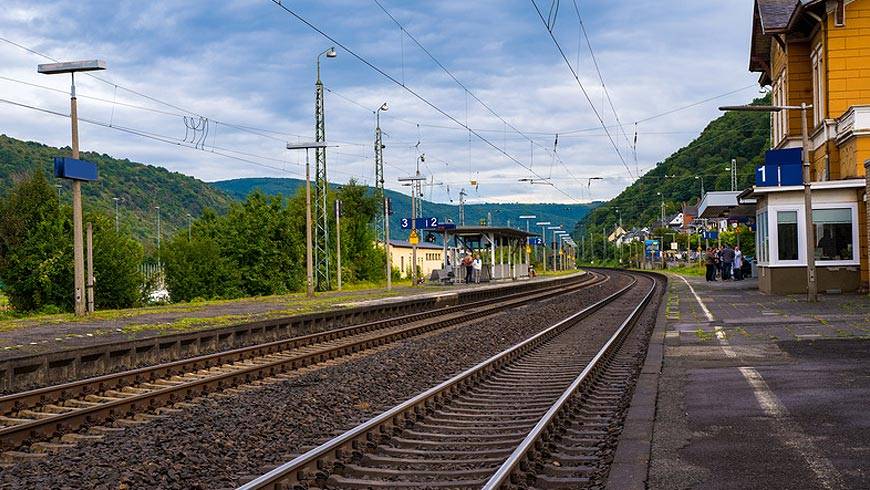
(762, 391)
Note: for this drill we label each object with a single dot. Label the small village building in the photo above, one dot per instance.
(430, 256)
(815, 52)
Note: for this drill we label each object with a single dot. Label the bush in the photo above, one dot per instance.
(197, 269)
(36, 252)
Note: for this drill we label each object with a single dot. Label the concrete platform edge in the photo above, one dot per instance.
(630, 467)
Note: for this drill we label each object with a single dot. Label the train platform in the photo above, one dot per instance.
(760, 391)
(53, 349)
(56, 332)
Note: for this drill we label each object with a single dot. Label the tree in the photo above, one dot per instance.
(362, 260)
(35, 250)
(197, 269)
(117, 257)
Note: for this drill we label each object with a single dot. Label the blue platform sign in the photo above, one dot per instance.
(710, 235)
(651, 247)
(419, 223)
(781, 168)
(536, 240)
(70, 168)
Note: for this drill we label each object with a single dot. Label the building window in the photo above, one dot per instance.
(833, 234)
(818, 85)
(787, 235)
(779, 120)
(761, 238)
(840, 14)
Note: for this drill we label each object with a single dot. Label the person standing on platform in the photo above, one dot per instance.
(477, 264)
(469, 269)
(711, 264)
(727, 262)
(738, 264)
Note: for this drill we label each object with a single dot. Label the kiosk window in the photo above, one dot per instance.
(786, 229)
(833, 234)
(762, 238)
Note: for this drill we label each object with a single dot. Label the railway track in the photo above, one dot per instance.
(542, 413)
(54, 417)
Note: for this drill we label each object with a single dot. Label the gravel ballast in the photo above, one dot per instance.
(222, 439)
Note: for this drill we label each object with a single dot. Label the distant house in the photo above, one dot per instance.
(814, 52)
(690, 212)
(616, 234)
(429, 257)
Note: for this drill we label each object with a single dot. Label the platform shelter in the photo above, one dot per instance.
(502, 250)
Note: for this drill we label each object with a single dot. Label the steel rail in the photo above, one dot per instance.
(55, 393)
(296, 469)
(541, 429)
(16, 435)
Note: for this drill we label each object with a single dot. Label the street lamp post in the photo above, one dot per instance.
(554, 235)
(78, 245)
(528, 217)
(157, 210)
(309, 256)
(384, 226)
(543, 225)
(702, 184)
(812, 287)
(321, 183)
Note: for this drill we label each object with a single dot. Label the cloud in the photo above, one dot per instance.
(246, 63)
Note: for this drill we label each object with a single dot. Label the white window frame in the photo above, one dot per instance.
(773, 236)
(818, 69)
(853, 207)
(762, 249)
(779, 120)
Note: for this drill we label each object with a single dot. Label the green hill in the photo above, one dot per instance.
(563, 214)
(743, 136)
(139, 186)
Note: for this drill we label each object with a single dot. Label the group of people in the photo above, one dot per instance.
(473, 265)
(725, 263)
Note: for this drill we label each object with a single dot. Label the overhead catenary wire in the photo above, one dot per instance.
(221, 151)
(411, 91)
(468, 92)
(583, 89)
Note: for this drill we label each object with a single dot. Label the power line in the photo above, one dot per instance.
(598, 70)
(455, 79)
(411, 91)
(224, 152)
(582, 88)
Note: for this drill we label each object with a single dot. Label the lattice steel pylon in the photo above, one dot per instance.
(381, 217)
(321, 189)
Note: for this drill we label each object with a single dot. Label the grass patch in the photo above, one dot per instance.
(702, 335)
(692, 270)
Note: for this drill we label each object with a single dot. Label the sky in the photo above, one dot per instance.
(215, 89)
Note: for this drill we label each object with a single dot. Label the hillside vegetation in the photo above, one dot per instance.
(743, 136)
(140, 186)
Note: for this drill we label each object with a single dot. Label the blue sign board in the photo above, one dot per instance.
(651, 247)
(419, 223)
(710, 235)
(536, 240)
(70, 168)
(781, 167)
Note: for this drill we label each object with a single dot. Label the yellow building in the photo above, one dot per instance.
(429, 257)
(816, 52)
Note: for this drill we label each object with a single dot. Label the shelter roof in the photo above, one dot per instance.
(497, 231)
